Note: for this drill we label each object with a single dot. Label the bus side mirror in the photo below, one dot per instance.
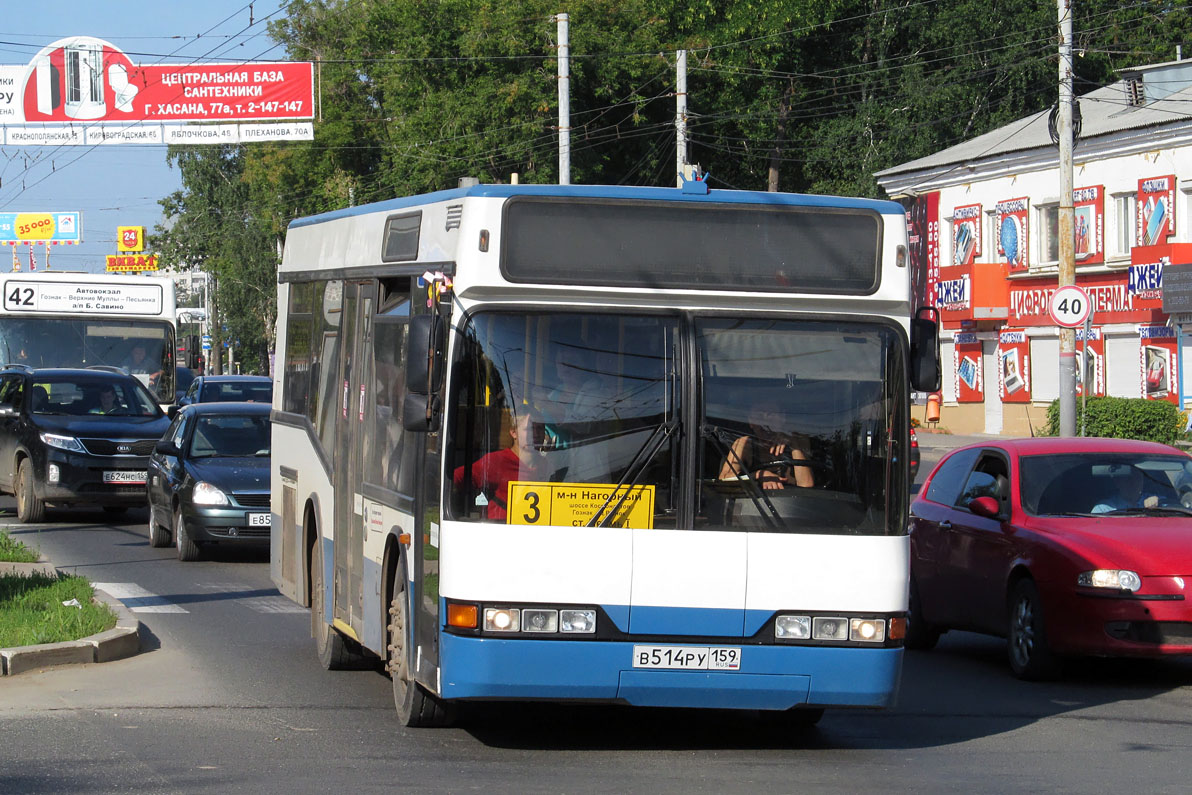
(424, 354)
(420, 413)
(925, 351)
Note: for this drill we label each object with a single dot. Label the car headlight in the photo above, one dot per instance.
(63, 442)
(1115, 579)
(206, 494)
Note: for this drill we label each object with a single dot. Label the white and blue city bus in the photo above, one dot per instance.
(629, 445)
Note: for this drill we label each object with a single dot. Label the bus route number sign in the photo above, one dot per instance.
(574, 504)
(1070, 306)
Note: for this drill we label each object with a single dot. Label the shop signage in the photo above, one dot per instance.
(1089, 225)
(1013, 232)
(1156, 210)
(966, 234)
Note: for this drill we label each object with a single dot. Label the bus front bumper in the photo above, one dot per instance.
(771, 677)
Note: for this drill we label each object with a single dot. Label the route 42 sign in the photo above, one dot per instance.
(1070, 306)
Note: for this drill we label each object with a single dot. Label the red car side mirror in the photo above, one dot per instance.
(985, 506)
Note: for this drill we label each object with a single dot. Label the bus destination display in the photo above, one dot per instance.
(75, 297)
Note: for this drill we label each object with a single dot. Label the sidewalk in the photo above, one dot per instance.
(123, 640)
(950, 441)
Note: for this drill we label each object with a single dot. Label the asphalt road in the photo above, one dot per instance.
(229, 697)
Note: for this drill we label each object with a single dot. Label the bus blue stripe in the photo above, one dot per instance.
(706, 621)
(771, 677)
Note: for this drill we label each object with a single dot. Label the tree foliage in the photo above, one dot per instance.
(813, 96)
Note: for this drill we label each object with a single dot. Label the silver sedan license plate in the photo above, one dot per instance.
(124, 476)
(694, 658)
(259, 519)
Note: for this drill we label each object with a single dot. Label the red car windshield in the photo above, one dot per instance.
(1103, 483)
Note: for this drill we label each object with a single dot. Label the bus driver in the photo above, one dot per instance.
(766, 443)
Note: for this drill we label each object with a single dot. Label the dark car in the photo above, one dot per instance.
(1062, 546)
(209, 479)
(229, 388)
(75, 437)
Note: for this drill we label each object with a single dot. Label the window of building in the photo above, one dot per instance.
(1121, 236)
(989, 243)
(1045, 366)
(1123, 377)
(1049, 233)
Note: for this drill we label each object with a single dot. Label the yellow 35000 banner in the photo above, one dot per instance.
(574, 504)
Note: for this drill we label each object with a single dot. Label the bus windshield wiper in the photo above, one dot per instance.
(641, 459)
(722, 439)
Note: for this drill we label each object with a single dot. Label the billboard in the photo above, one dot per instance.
(57, 229)
(91, 85)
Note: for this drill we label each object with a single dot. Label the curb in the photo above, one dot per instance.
(123, 640)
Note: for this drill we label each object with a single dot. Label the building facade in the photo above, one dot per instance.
(983, 221)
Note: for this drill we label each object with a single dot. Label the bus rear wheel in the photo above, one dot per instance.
(415, 706)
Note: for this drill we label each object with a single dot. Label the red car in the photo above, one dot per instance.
(1062, 546)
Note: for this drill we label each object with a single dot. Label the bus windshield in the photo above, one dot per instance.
(772, 425)
(145, 348)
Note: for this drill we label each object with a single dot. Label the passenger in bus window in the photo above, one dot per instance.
(758, 455)
(490, 474)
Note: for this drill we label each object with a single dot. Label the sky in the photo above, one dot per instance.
(117, 185)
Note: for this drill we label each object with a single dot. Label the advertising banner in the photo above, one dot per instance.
(1156, 210)
(1014, 366)
(1089, 225)
(1159, 363)
(1091, 354)
(966, 352)
(92, 86)
(1013, 233)
(966, 234)
(63, 229)
(923, 238)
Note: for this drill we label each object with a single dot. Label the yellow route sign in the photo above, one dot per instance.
(574, 504)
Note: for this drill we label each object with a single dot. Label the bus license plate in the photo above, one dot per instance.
(124, 476)
(259, 519)
(696, 658)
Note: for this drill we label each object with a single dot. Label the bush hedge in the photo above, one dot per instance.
(1124, 418)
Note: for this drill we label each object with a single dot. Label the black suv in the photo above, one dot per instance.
(75, 436)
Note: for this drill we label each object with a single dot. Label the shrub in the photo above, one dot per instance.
(1124, 418)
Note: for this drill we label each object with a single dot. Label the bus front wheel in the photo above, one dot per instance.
(415, 706)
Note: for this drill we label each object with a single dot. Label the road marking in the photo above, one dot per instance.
(254, 600)
(273, 604)
(137, 599)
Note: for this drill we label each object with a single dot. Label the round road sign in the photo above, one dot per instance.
(1070, 306)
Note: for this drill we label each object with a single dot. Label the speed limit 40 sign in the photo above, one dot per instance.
(1070, 306)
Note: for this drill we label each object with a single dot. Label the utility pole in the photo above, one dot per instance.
(215, 358)
(1067, 213)
(564, 101)
(680, 116)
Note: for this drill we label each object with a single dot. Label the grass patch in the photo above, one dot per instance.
(13, 551)
(31, 610)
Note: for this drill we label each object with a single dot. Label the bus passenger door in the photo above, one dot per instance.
(348, 460)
